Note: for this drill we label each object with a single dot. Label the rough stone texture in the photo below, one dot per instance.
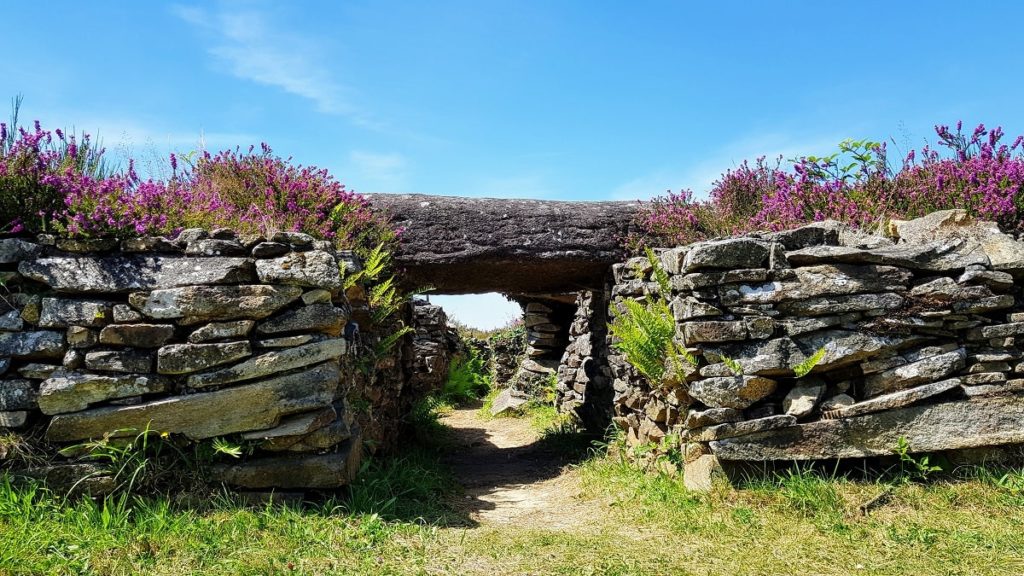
(125, 273)
(732, 392)
(32, 345)
(137, 335)
(254, 406)
(736, 429)
(61, 313)
(221, 331)
(474, 245)
(73, 391)
(313, 318)
(928, 369)
(187, 358)
(195, 304)
(896, 399)
(270, 363)
(18, 395)
(990, 421)
(313, 269)
(507, 401)
(131, 361)
(802, 399)
(331, 470)
(14, 250)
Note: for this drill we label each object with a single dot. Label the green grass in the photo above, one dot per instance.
(401, 518)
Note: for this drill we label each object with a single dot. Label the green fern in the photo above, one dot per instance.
(388, 342)
(733, 365)
(660, 275)
(804, 368)
(645, 335)
(222, 446)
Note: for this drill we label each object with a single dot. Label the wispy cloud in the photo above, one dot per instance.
(699, 175)
(252, 48)
(376, 172)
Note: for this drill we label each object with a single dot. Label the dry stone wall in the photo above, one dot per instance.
(208, 335)
(916, 336)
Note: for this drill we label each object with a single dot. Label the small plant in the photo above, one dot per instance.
(913, 468)
(734, 366)
(468, 378)
(646, 331)
(222, 446)
(804, 368)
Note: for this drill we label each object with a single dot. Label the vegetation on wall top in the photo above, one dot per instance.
(58, 182)
(976, 171)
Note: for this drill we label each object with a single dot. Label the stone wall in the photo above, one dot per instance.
(918, 336)
(206, 336)
(584, 379)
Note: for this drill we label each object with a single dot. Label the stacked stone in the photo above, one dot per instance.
(546, 339)
(506, 353)
(433, 345)
(917, 336)
(584, 379)
(207, 335)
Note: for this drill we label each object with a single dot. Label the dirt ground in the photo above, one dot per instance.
(509, 477)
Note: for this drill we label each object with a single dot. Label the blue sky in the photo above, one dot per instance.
(550, 99)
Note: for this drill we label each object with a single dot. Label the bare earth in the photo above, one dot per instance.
(511, 479)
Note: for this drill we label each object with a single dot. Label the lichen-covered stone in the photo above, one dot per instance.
(36, 345)
(11, 321)
(14, 250)
(331, 470)
(732, 392)
(137, 335)
(928, 369)
(221, 331)
(314, 318)
(254, 406)
(313, 269)
(18, 395)
(73, 391)
(732, 253)
(712, 331)
(61, 313)
(736, 429)
(124, 273)
(130, 361)
(195, 304)
(272, 362)
(188, 358)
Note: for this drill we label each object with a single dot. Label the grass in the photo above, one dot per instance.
(401, 518)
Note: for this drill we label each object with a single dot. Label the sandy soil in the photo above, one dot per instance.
(511, 478)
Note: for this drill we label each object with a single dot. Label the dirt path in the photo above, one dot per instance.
(511, 478)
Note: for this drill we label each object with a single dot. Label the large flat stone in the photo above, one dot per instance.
(731, 391)
(137, 335)
(221, 331)
(732, 253)
(331, 470)
(134, 272)
(816, 281)
(767, 358)
(896, 400)
(131, 361)
(735, 429)
(32, 345)
(314, 318)
(61, 313)
(928, 369)
(313, 269)
(988, 421)
(187, 358)
(73, 391)
(843, 347)
(195, 304)
(256, 406)
(272, 362)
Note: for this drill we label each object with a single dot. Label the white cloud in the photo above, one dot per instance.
(699, 175)
(375, 172)
(252, 49)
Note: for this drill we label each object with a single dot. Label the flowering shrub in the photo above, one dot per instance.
(856, 185)
(58, 184)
